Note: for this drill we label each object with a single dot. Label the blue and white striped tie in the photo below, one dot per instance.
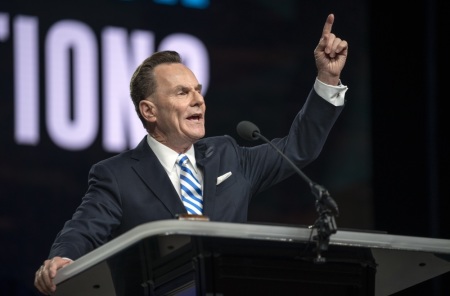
(191, 191)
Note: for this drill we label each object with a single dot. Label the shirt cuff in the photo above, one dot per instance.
(333, 94)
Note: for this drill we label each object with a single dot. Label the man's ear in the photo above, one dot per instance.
(147, 109)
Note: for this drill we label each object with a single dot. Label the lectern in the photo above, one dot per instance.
(180, 258)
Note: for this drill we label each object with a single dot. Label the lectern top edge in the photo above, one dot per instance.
(252, 232)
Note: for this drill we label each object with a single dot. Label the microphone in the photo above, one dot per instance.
(325, 205)
(248, 130)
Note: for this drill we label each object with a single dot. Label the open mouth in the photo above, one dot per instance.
(195, 117)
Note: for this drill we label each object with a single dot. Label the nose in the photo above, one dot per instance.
(198, 99)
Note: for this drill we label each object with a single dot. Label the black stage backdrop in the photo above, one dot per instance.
(383, 162)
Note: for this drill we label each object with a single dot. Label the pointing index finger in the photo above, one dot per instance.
(328, 25)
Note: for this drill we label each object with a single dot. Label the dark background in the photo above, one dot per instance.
(410, 131)
(385, 162)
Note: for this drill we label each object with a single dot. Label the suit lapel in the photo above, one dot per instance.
(209, 164)
(155, 177)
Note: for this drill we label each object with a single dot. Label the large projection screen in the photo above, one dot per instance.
(64, 103)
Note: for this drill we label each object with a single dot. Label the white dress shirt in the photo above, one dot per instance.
(168, 158)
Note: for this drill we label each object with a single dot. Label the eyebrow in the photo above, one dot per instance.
(198, 87)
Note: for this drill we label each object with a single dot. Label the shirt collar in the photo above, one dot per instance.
(168, 157)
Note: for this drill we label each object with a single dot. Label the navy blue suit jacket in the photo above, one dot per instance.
(133, 188)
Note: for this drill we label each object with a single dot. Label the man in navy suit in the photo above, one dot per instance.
(142, 184)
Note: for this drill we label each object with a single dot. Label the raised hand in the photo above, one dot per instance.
(330, 54)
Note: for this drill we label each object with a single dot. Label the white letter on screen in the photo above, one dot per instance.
(71, 126)
(26, 80)
(4, 26)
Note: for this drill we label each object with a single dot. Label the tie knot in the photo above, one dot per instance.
(182, 159)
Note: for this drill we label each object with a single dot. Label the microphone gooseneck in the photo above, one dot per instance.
(325, 205)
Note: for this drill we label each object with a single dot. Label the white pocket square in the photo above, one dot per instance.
(222, 178)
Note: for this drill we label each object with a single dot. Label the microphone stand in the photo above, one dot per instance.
(326, 223)
(325, 206)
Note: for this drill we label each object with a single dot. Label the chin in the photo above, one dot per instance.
(199, 135)
(198, 131)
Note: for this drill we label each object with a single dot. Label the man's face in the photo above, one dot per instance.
(179, 106)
